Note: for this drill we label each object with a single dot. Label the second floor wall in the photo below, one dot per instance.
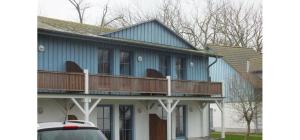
(92, 56)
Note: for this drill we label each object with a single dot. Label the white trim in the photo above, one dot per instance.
(94, 105)
(163, 105)
(219, 106)
(78, 105)
(128, 97)
(173, 107)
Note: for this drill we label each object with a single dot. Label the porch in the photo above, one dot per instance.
(196, 125)
(147, 91)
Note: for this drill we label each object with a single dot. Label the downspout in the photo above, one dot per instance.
(209, 81)
(208, 74)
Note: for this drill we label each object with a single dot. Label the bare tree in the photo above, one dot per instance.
(171, 14)
(258, 35)
(106, 20)
(245, 101)
(240, 25)
(202, 30)
(80, 7)
(165, 13)
(221, 23)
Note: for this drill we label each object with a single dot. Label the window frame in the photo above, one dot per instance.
(125, 130)
(181, 69)
(102, 63)
(129, 63)
(165, 70)
(111, 118)
(184, 117)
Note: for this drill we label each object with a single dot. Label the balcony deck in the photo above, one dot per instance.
(74, 82)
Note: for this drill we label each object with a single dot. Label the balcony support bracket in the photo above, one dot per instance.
(78, 105)
(169, 109)
(84, 110)
(94, 105)
(201, 106)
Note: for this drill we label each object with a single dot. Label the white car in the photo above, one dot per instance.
(69, 130)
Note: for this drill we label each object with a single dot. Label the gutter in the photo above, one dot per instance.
(208, 74)
(209, 82)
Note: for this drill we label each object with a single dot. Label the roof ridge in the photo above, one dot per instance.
(227, 46)
(129, 26)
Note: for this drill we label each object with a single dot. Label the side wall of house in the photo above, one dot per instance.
(196, 121)
(233, 123)
(222, 72)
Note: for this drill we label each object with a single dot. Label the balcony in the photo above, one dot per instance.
(74, 82)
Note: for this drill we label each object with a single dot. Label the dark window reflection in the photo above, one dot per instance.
(104, 120)
(125, 63)
(126, 122)
(180, 121)
(164, 62)
(180, 68)
(103, 61)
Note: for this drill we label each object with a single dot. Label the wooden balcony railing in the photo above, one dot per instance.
(127, 84)
(195, 87)
(63, 81)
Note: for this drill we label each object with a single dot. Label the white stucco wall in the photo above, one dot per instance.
(196, 125)
(233, 123)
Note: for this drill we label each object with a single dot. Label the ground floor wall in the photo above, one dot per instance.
(233, 121)
(196, 124)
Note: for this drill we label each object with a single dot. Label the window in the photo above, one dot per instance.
(180, 121)
(126, 122)
(164, 65)
(125, 63)
(103, 61)
(104, 120)
(180, 68)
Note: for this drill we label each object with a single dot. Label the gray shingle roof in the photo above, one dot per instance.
(237, 57)
(62, 25)
(69, 28)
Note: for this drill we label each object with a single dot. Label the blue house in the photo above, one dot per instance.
(142, 82)
(242, 67)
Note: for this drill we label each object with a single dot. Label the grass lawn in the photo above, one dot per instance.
(236, 136)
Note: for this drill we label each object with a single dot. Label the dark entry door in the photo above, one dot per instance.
(158, 128)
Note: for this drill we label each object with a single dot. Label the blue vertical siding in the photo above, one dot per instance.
(150, 61)
(222, 72)
(59, 50)
(199, 70)
(152, 32)
(115, 61)
(85, 54)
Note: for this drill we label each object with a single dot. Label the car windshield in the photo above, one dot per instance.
(75, 134)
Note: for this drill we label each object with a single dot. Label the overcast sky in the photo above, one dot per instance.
(62, 9)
